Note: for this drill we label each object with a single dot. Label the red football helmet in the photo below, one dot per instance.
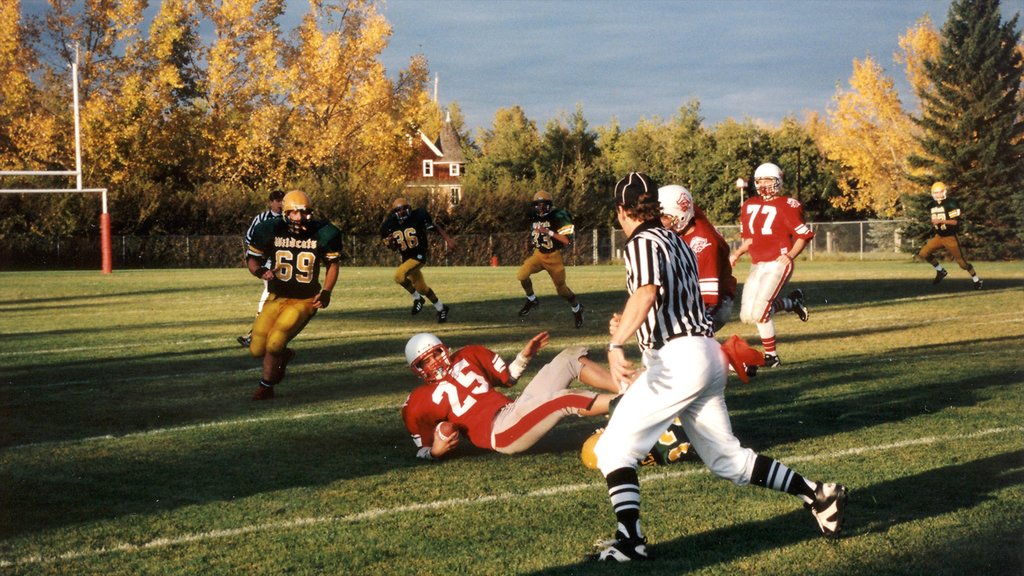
(428, 357)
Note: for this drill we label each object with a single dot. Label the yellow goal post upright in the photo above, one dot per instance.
(105, 252)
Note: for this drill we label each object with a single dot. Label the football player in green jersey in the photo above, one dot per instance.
(405, 230)
(297, 246)
(945, 214)
(550, 230)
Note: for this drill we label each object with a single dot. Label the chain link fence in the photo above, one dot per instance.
(868, 239)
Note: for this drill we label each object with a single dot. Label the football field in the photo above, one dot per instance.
(129, 443)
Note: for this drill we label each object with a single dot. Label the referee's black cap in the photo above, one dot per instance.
(277, 195)
(636, 189)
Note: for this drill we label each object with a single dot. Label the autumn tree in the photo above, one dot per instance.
(972, 125)
(246, 119)
(872, 137)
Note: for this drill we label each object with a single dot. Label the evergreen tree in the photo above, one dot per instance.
(973, 125)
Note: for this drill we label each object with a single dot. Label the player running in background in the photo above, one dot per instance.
(550, 230)
(274, 202)
(945, 215)
(405, 230)
(297, 247)
(684, 375)
(461, 388)
(774, 233)
(717, 284)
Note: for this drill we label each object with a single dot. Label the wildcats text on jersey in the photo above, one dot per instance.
(307, 244)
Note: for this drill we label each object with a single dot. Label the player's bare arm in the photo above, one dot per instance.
(535, 344)
(744, 246)
(323, 299)
(798, 247)
(448, 240)
(257, 269)
(442, 446)
(637, 307)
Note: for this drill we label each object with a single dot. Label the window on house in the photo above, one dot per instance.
(428, 168)
(455, 196)
(453, 169)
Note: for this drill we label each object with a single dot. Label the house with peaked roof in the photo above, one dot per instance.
(439, 166)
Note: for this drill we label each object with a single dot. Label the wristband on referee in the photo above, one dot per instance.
(261, 271)
(614, 347)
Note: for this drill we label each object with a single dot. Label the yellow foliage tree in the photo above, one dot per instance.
(871, 136)
(27, 133)
(919, 44)
(349, 126)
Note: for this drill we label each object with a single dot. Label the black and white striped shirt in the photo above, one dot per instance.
(656, 255)
(259, 219)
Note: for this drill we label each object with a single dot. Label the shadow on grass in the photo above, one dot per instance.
(292, 454)
(871, 509)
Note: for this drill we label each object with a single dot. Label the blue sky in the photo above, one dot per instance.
(742, 59)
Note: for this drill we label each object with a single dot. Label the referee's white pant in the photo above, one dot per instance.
(686, 377)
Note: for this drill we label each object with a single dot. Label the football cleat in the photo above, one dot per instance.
(442, 314)
(750, 369)
(623, 550)
(263, 392)
(939, 275)
(530, 306)
(829, 508)
(417, 305)
(977, 285)
(244, 341)
(578, 317)
(797, 297)
(772, 361)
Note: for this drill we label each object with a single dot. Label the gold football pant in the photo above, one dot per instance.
(951, 244)
(552, 262)
(281, 320)
(410, 271)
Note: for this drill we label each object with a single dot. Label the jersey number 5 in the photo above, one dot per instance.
(766, 226)
(475, 383)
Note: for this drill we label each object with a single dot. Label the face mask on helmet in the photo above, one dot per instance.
(401, 209)
(676, 207)
(428, 357)
(768, 180)
(297, 211)
(542, 203)
(939, 191)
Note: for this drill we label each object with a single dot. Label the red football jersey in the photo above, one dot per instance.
(772, 225)
(465, 397)
(712, 253)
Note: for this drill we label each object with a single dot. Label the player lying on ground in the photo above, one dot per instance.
(461, 388)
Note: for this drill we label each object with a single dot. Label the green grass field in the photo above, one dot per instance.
(129, 444)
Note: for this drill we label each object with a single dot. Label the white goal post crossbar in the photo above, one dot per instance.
(105, 251)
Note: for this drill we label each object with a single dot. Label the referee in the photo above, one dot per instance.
(685, 374)
(275, 201)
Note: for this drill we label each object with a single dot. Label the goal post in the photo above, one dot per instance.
(105, 251)
(105, 254)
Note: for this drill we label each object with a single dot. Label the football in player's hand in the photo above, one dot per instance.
(445, 430)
